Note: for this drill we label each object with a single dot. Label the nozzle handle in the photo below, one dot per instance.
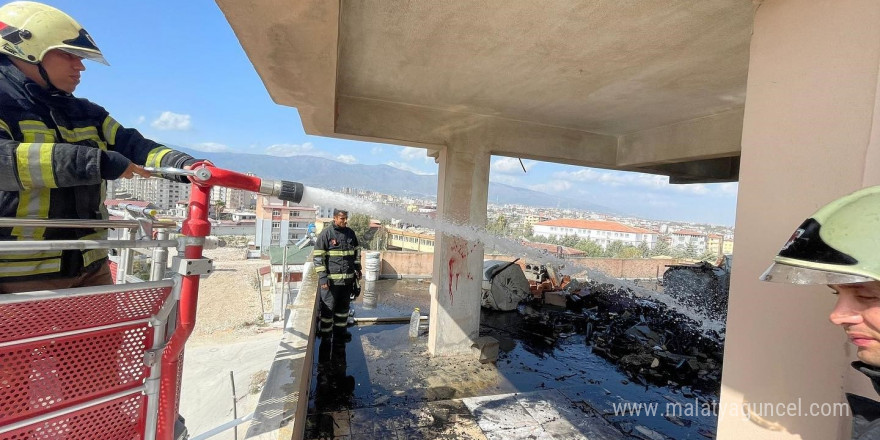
(283, 189)
(291, 191)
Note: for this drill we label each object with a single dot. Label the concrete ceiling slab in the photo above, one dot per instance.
(660, 81)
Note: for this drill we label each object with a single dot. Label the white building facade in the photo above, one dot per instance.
(601, 232)
(683, 238)
(161, 192)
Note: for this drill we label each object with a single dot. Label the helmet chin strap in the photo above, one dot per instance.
(45, 75)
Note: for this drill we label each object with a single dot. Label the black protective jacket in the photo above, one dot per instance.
(50, 167)
(337, 256)
(866, 412)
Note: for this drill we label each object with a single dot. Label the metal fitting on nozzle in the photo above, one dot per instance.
(283, 189)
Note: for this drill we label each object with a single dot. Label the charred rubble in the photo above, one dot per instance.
(645, 338)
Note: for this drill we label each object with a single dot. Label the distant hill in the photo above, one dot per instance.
(327, 173)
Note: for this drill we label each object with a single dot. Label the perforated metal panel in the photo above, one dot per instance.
(40, 377)
(48, 316)
(119, 419)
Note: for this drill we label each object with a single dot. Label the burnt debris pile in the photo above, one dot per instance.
(648, 340)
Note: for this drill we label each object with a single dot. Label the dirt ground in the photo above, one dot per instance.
(229, 304)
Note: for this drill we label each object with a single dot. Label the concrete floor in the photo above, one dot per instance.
(206, 389)
(383, 385)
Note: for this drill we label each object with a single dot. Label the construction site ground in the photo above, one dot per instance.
(388, 386)
(383, 384)
(229, 336)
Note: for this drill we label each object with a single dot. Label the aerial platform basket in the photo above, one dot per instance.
(105, 363)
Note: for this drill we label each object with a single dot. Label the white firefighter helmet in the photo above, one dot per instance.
(29, 29)
(839, 244)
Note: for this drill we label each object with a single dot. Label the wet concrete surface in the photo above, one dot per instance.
(383, 385)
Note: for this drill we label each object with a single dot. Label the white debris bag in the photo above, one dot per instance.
(504, 285)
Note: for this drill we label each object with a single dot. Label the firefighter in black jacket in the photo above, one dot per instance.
(56, 150)
(338, 264)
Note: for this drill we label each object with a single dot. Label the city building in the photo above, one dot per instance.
(233, 199)
(683, 238)
(420, 240)
(279, 222)
(161, 192)
(727, 247)
(715, 244)
(601, 232)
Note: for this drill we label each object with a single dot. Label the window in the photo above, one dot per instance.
(275, 237)
(276, 225)
(294, 225)
(276, 212)
(294, 214)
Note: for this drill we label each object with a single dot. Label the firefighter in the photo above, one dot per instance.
(57, 150)
(839, 246)
(338, 264)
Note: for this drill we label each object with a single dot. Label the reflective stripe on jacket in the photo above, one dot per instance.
(337, 255)
(50, 146)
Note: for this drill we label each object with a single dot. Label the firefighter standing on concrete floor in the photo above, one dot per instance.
(56, 150)
(338, 264)
(839, 246)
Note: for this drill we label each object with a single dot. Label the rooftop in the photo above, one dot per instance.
(596, 225)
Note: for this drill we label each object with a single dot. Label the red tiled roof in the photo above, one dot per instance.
(598, 225)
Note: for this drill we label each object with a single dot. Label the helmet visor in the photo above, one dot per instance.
(85, 54)
(786, 273)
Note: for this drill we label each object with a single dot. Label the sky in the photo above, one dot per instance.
(178, 74)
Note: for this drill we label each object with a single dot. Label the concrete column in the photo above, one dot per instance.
(807, 139)
(462, 194)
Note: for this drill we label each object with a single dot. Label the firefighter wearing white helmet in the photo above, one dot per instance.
(58, 149)
(839, 246)
(30, 30)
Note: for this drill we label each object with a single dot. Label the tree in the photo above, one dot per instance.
(569, 241)
(360, 224)
(590, 248)
(629, 252)
(614, 248)
(661, 248)
(219, 205)
(498, 226)
(644, 250)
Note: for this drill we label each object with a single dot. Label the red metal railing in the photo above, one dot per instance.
(83, 363)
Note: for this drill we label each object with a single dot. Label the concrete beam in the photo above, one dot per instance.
(391, 122)
(725, 169)
(295, 44)
(710, 137)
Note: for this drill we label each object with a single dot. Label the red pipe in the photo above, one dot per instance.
(231, 179)
(196, 225)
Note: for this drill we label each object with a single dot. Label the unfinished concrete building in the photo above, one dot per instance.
(780, 95)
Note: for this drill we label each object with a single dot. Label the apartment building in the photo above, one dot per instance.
(161, 192)
(601, 232)
(280, 223)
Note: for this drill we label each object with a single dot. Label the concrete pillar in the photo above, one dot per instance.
(808, 138)
(462, 194)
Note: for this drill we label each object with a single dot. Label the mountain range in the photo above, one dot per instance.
(331, 174)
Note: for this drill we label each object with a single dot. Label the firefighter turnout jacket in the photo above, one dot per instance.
(50, 167)
(337, 256)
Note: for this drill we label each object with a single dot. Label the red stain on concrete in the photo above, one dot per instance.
(461, 251)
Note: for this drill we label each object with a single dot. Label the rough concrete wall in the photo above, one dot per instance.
(406, 263)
